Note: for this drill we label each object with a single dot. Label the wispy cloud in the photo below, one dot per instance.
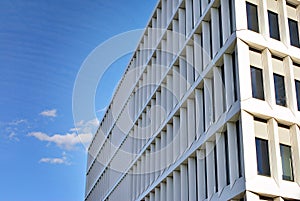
(61, 160)
(17, 122)
(13, 137)
(49, 113)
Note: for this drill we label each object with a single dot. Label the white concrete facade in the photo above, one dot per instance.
(184, 122)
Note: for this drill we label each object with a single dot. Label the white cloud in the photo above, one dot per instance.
(61, 160)
(67, 141)
(13, 136)
(49, 113)
(17, 122)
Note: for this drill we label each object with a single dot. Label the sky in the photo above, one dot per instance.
(43, 45)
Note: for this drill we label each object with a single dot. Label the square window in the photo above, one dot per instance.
(257, 83)
(273, 25)
(262, 156)
(294, 33)
(252, 17)
(279, 90)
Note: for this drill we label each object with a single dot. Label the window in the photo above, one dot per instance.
(252, 17)
(279, 90)
(234, 73)
(220, 26)
(286, 162)
(262, 156)
(294, 33)
(273, 25)
(297, 83)
(227, 158)
(257, 83)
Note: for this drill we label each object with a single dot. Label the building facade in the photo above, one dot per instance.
(208, 108)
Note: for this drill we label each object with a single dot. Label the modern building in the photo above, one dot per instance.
(208, 108)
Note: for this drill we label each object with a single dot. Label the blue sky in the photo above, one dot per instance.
(42, 47)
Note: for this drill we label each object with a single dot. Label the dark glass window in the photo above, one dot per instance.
(294, 33)
(220, 26)
(273, 25)
(262, 156)
(287, 162)
(252, 17)
(257, 83)
(227, 158)
(279, 90)
(234, 72)
(297, 83)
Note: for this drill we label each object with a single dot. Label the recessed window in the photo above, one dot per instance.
(297, 83)
(273, 25)
(257, 83)
(287, 162)
(252, 18)
(279, 90)
(262, 156)
(294, 33)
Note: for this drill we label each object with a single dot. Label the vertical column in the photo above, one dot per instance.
(268, 77)
(176, 85)
(164, 13)
(158, 108)
(170, 187)
(190, 65)
(233, 155)
(263, 18)
(208, 99)
(201, 174)
(275, 150)
(176, 138)
(157, 157)
(191, 121)
(147, 168)
(183, 130)
(218, 91)
(184, 182)
(283, 22)
(176, 182)
(247, 125)
(170, 51)
(192, 179)
(220, 143)
(157, 194)
(189, 16)
(196, 11)
(169, 145)
(183, 76)
(197, 55)
(243, 70)
(199, 112)
(163, 191)
(240, 15)
(210, 167)
(163, 151)
(226, 19)
(163, 112)
(206, 43)
(142, 173)
(295, 142)
(176, 35)
(229, 82)
(169, 94)
(181, 16)
(152, 163)
(290, 84)
(215, 30)
(152, 196)
(159, 24)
